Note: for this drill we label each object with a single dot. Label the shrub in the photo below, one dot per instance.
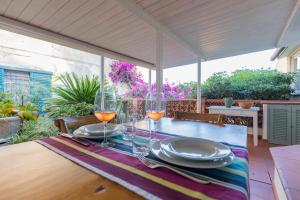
(72, 110)
(75, 89)
(192, 86)
(35, 129)
(260, 84)
(217, 86)
(7, 107)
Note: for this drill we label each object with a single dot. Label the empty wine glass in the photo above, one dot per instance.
(155, 110)
(105, 110)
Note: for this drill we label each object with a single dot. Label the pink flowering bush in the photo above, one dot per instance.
(124, 73)
(128, 75)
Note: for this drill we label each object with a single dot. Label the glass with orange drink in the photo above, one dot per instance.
(105, 110)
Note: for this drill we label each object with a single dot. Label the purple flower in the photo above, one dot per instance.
(128, 75)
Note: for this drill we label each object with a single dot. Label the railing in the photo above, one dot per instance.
(191, 106)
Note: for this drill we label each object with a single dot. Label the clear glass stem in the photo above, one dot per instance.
(149, 127)
(104, 131)
(155, 126)
(133, 124)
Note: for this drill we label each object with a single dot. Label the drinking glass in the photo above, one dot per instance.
(155, 110)
(141, 143)
(105, 110)
(128, 127)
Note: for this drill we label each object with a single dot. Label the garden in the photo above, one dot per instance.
(75, 96)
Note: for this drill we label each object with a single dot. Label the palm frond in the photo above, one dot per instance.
(75, 89)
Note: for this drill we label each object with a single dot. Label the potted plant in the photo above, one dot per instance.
(9, 122)
(228, 101)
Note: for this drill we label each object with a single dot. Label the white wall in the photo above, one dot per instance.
(21, 51)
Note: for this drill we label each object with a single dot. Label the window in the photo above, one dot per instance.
(17, 83)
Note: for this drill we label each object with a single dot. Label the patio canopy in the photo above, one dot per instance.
(126, 29)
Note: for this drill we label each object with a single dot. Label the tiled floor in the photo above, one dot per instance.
(261, 170)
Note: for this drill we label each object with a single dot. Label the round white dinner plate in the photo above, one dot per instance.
(98, 129)
(158, 152)
(79, 133)
(195, 148)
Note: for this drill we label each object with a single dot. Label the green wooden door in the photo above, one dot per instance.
(296, 124)
(40, 87)
(279, 124)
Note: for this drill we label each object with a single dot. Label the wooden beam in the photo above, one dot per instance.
(288, 24)
(49, 36)
(143, 15)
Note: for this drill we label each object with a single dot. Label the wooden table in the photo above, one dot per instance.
(31, 171)
(239, 112)
(232, 134)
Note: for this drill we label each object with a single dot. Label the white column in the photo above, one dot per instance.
(159, 71)
(199, 96)
(255, 129)
(102, 77)
(265, 121)
(150, 77)
(102, 73)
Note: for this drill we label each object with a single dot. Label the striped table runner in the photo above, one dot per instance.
(119, 165)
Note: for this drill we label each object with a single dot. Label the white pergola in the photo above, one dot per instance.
(158, 34)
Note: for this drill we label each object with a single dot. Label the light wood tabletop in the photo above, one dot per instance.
(30, 171)
(232, 134)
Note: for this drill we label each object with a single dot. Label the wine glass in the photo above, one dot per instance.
(105, 110)
(155, 110)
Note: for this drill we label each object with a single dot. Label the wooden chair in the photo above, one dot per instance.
(210, 118)
(69, 124)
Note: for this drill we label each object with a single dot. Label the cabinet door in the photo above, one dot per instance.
(296, 124)
(279, 124)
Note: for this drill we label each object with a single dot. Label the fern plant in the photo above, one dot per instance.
(75, 90)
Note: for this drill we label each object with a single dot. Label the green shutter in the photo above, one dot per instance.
(279, 124)
(1, 80)
(296, 124)
(41, 80)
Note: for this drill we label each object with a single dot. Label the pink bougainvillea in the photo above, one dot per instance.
(127, 74)
(124, 73)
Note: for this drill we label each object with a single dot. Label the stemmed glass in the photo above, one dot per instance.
(154, 110)
(105, 110)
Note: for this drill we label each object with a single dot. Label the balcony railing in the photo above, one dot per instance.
(191, 106)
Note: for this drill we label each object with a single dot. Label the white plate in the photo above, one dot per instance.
(195, 148)
(81, 134)
(157, 151)
(97, 129)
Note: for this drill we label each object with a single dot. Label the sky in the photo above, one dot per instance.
(188, 73)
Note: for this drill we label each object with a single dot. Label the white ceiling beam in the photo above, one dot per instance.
(288, 24)
(143, 15)
(49, 36)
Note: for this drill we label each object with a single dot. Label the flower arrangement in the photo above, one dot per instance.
(128, 75)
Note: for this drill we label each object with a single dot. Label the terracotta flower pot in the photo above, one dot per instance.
(245, 105)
